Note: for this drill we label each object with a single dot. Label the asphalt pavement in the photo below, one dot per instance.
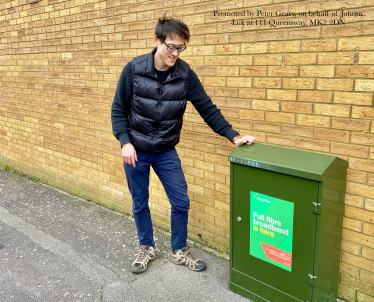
(58, 247)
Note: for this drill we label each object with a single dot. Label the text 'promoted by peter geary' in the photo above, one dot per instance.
(278, 18)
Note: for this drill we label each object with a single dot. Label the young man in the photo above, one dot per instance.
(147, 116)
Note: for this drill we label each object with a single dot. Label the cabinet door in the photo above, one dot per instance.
(281, 273)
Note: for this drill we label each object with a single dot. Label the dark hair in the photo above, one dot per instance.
(171, 27)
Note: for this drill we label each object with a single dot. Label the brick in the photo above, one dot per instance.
(203, 200)
(201, 71)
(222, 224)
(192, 135)
(361, 164)
(227, 71)
(252, 115)
(300, 59)
(339, 4)
(346, 292)
(309, 144)
(239, 82)
(215, 159)
(216, 60)
(202, 129)
(252, 93)
(228, 27)
(318, 45)
(352, 224)
(214, 81)
(205, 29)
(368, 28)
(340, 58)
(250, 3)
(315, 96)
(349, 150)
(252, 71)
(364, 85)
(303, 33)
(317, 71)
(351, 247)
(280, 117)
(287, 71)
(353, 98)
(371, 182)
(215, 139)
(267, 60)
(368, 229)
(270, 35)
(284, 46)
(368, 253)
(204, 147)
(356, 176)
(272, 8)
(355, 71)
(277, 94)
(226, 92)
(254, 48)
(265, 105)
(227, 49)
(367, 277)
(204, 7)
(363, 112)
(213, 39)
(297, 130)
(214, 176)
(225, 4)
(204, 50)
(366, 57)
(362, 190)
(215, 212)
(355, 283)
(362, 43)
(280, 140)
(298, 83)
(332, 135)
(306, 6)
(335, 84)
(239, 60)
(266, 127)
(350, 124)
(244, 37)
(340, 31)
(354, 201)
(332, 110)
(241, 125)
(267, 82)
(313, 120)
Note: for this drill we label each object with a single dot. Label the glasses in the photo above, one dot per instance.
(171, 48)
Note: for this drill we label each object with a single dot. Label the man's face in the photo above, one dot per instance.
(165, 59)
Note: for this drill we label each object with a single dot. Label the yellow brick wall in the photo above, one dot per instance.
(308, 88)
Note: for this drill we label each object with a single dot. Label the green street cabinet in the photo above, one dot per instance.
(286, 213)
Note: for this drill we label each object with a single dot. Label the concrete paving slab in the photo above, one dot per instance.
(57, 247)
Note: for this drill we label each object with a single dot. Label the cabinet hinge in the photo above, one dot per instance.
(312, 280)
(316, 208)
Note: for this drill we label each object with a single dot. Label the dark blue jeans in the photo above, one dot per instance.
(167, 166)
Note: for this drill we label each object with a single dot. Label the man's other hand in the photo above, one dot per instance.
(247, 139)
(129, 154)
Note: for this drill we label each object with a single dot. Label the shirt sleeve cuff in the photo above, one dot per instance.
(230, 134)
(124, 139)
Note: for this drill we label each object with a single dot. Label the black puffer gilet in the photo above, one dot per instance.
(157, 108)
